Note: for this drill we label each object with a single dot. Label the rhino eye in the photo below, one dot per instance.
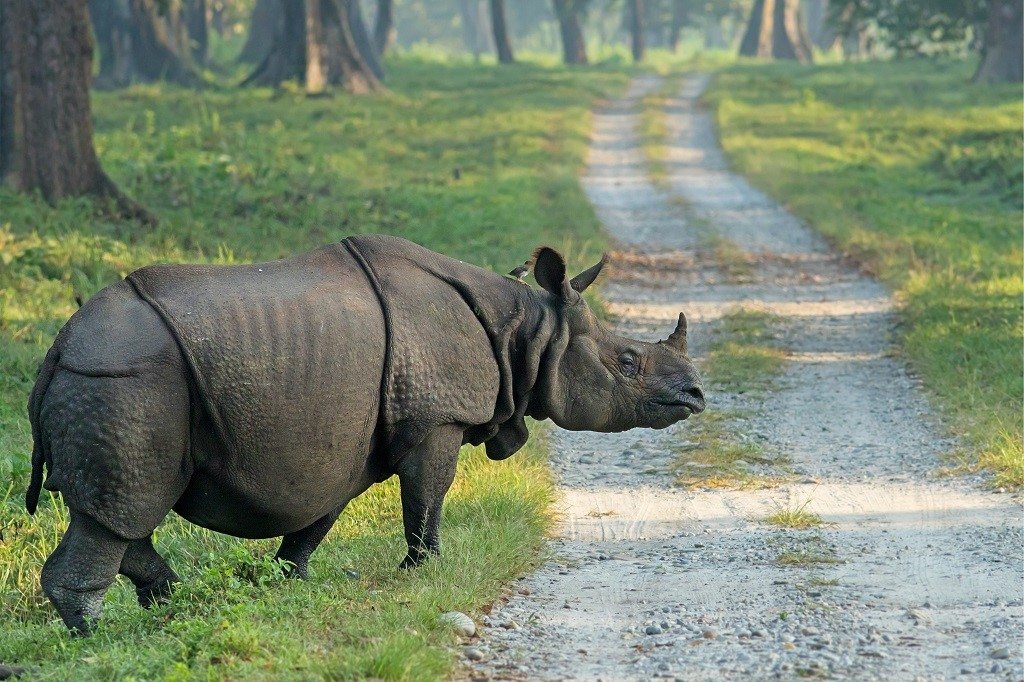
(629, 363)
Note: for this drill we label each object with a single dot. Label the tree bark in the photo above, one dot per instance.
(1002, 59)
(265, 24)
(45, 121)
(364, 44)
(382, 24)
(316, 51)
(775, 30)
(112, 29)
(636, 29)
(198, 29)
(157, 46)
(316, 46)
(574, 46)
(285, 59)
(499, 26)
(348, 65)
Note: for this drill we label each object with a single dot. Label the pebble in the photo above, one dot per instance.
(708, 634)
(473, 654)
(461, 623)
(1002, 653)
(652, 630)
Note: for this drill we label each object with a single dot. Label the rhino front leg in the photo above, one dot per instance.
(425, 474)
(297, 547)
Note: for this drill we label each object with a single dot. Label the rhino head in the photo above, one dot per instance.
(595, 380)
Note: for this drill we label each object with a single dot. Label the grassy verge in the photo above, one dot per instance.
(918, 174)
(477, 162)
(742, 359)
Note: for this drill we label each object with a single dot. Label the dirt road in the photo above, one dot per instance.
(919, 577)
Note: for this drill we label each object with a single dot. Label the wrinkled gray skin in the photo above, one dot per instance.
(258, 400)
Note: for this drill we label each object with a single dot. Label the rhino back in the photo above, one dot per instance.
(287, 358)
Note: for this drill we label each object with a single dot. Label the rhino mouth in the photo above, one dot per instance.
(690, 402)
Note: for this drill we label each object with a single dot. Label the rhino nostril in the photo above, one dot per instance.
(697, 394)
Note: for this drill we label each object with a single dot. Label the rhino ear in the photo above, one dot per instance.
(583, 280)
(549, 271)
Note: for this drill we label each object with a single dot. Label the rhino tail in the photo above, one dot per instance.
(39, 452)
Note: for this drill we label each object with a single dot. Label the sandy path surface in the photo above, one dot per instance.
(647, 579)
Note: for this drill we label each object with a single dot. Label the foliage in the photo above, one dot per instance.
(477, 162)
(912, 26)
(917, 174)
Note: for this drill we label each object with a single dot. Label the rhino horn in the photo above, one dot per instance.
(677, 339)
(583, 280)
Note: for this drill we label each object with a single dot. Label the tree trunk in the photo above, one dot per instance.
(775, 30)
(348, 66)
(364, 45)
(198, 29)
(112, 29)
(678, 21)
(45, 122)
(156, 45)
(286, 57)
(636, 29)
(325, 54)
(316, 51)
(500, 28)
(469, 14)
(1002, 58)
(574, 46)
(265, 24)
(382, 25)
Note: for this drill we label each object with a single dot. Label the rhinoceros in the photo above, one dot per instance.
(258, 400)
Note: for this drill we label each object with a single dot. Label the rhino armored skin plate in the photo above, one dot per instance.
(258, 400)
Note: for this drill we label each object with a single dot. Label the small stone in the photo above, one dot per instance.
(709, 634)
(1002, 653)
(460, 622)
(473, 654)
(350, 574)
(652, 630)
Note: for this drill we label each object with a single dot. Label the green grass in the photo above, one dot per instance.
(242, 175)
(917, 174)
(745, 353)
(797, 517)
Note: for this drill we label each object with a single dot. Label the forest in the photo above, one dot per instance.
(135, 132)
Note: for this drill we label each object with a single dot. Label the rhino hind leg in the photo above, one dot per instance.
(78, 573)
(297, 547)
(148, 571)
(424, 474)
